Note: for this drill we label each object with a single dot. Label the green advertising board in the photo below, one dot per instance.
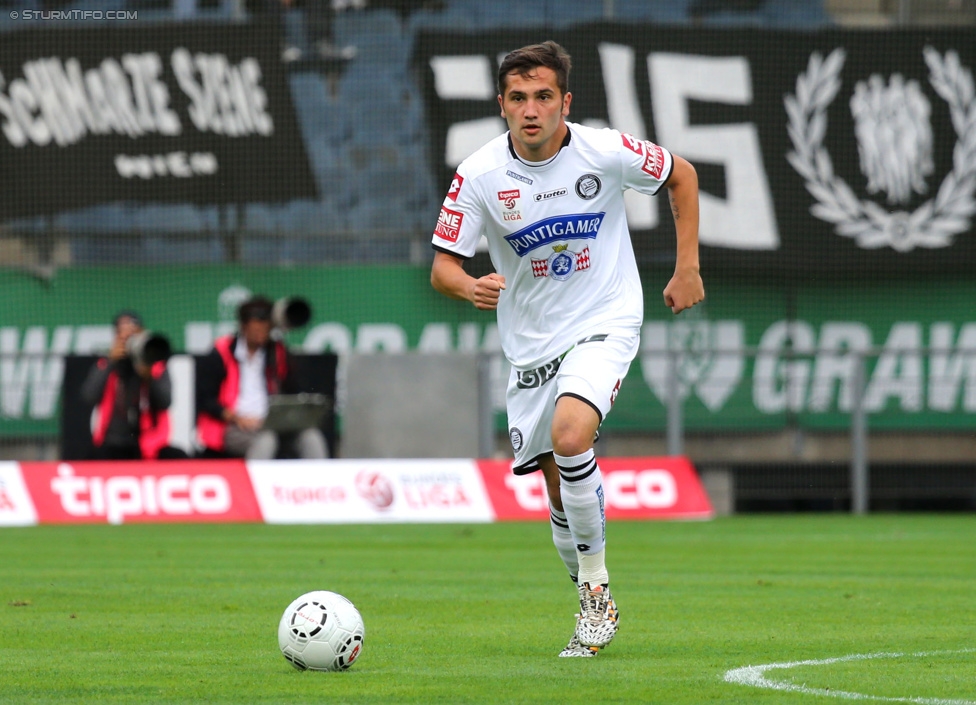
(752, 357)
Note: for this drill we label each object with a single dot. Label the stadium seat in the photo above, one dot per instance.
(673, 12)
(378, 36)
(182, 218)
(321, 115)
(107, 217)
(508, 13)
(796, 14)
(207, 249)
(452, 17)
(96, 249)
(734, 19)
(259, 217)
(307, 216)
(567, 13)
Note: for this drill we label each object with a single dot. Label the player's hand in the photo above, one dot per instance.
(249, 423)
(486, 291)
(684, 290)
(118, 350)
(245, 423)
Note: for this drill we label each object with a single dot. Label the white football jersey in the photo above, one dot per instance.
(557, 231)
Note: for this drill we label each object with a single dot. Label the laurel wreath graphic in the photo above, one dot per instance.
(931, 225)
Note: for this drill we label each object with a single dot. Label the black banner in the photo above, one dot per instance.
(174, 113)
(819, 153)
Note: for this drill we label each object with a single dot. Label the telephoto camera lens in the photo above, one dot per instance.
(291, 312)
(148, 348)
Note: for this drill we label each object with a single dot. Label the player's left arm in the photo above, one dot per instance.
(685, 288)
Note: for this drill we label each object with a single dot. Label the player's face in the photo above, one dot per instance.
(535, 109)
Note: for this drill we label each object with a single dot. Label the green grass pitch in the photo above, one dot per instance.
(477, 613)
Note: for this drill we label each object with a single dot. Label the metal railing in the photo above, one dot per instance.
(858, 364)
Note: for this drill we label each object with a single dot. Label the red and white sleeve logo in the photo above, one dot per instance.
(448, 224)
(632, 143)
(455, 189)
(654, 162)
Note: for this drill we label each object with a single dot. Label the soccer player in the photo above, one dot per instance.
(548, 196)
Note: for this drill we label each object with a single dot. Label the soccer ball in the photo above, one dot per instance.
(321, 631)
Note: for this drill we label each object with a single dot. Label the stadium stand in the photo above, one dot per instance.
(370, 169)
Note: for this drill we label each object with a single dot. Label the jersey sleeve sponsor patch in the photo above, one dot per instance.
(654, 161)
(652, 153)
(448, 224)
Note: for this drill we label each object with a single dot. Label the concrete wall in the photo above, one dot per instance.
(413, 405)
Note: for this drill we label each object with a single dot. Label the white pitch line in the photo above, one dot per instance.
(756, 676)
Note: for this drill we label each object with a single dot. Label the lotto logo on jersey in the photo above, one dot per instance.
(632, 143)
(448, 224)
(654, 161)
(549, 195)
(509, 201)
(455, 189)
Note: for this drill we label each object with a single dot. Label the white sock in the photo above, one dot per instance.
(593, 569)
(581, 487)
(563, 540)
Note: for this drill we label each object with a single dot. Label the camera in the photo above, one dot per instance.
(290, 312)
(147, 348)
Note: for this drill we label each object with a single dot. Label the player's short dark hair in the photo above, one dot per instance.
(255, 308)
(524, 60)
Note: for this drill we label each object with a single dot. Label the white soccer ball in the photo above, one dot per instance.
(321, 631)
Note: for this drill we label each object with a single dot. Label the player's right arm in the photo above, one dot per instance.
(459, 227)
(447, 276)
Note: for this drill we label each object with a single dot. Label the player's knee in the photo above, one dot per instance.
(569, 439)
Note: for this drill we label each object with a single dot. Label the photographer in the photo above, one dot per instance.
(131, 392)
(234, 382)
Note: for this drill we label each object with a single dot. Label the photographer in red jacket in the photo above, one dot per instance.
(131, 393)
(234, 382)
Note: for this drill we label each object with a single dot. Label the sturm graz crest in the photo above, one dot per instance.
(588, 186)
(895, 147)
(708, 356)
(516, 436)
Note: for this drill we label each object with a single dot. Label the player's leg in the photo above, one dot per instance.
(562, 538)
(530, 408)
(587, 384)
(581, 486)
(580, 483)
